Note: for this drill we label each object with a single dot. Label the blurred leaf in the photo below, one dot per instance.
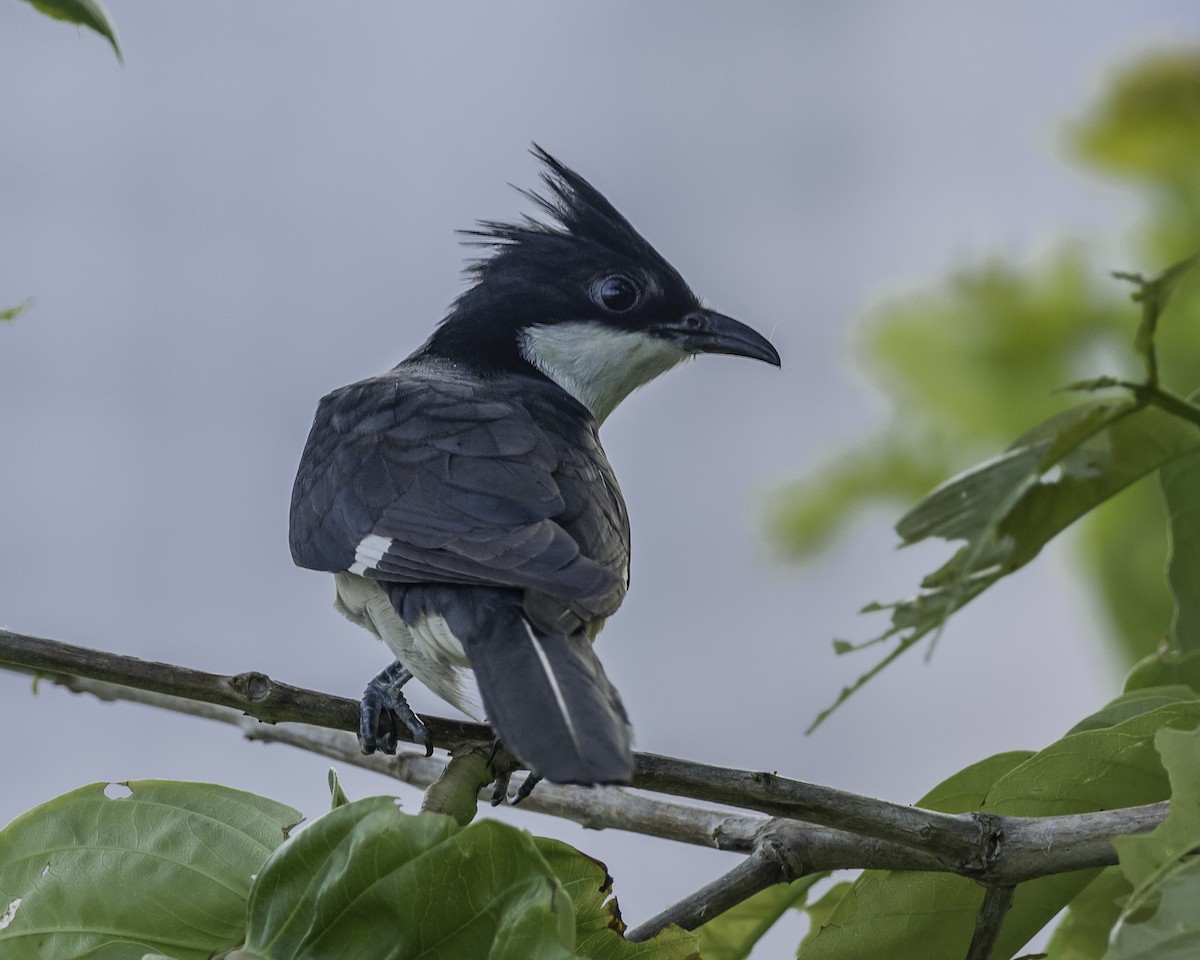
(1147, 126)
(733, 934)
(980, 355)
(166, 869)
(969, 362)
(1008, 508)
(1164, 923)
(1084, 931)
(11, 313)
(1180, 483)
(805, 515)
(932, 916)
(86, 13)
(1122, 549)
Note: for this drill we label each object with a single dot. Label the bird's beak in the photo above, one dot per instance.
(706, 331)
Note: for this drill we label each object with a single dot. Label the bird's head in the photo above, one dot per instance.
(583, 299)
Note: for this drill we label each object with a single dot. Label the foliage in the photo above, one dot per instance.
(973, 361)
(166, 868)
(11, 313)
(187, 870)
(86, 13)
(931, 916)
(733, 934)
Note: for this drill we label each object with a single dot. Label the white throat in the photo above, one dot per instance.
(597, 365)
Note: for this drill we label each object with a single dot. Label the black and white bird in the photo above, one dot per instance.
(464, 502)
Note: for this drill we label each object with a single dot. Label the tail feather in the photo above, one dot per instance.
(550, 702)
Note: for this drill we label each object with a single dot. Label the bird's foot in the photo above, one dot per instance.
(503, 764)
(382, 710)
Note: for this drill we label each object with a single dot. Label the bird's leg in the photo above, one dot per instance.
(526, 788)
(500, 786)
(382, 707)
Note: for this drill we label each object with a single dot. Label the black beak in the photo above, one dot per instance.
(706, 331)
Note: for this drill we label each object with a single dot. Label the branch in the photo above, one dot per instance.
(597, 808)
(993, 910)
(253, 693)
(954, 838)
(809, 827)
(771, 862)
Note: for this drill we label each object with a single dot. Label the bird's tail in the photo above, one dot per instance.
(549, 701)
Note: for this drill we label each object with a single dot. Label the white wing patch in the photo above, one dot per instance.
(370, 551)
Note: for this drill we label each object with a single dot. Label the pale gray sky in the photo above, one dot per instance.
(260, 206)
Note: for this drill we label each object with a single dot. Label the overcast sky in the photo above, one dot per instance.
(261, 205)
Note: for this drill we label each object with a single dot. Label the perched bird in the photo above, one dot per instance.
(463, 500)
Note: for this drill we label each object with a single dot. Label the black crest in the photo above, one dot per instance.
(576, 210)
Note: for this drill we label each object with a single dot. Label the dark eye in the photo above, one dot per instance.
(616, 293)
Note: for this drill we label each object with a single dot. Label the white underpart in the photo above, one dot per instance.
(370, 551)
(557, 690)
(597, 365)
(428, 649)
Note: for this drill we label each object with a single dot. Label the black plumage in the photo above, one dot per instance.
(463, 498)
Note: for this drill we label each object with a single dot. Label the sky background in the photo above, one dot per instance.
(260, 206)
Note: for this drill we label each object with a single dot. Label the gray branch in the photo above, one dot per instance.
(996, 902)
(807, 828)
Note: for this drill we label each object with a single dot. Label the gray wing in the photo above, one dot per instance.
(420, 476)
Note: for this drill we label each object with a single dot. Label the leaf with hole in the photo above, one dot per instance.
(161, 867)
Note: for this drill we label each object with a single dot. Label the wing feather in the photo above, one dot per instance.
(469, 486)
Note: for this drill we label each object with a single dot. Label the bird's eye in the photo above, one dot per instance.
(616, 293)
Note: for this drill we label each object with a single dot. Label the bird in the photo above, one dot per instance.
(463, 500)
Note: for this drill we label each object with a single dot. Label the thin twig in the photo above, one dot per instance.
(770, 863)
(989, 920)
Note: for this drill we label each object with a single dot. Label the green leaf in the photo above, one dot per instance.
(822, 911)
(1165, 668)
(598, 924)
(122, 950)
(337, 796)
(1180, 483)
(1084, 932)
(86, 13)
(11, 313)
(1008, 508)
(733, 934)
(932, 916)
(1129, 705)
(380, 883)
(1162, 924)
(1144, 858)
(165, 869)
